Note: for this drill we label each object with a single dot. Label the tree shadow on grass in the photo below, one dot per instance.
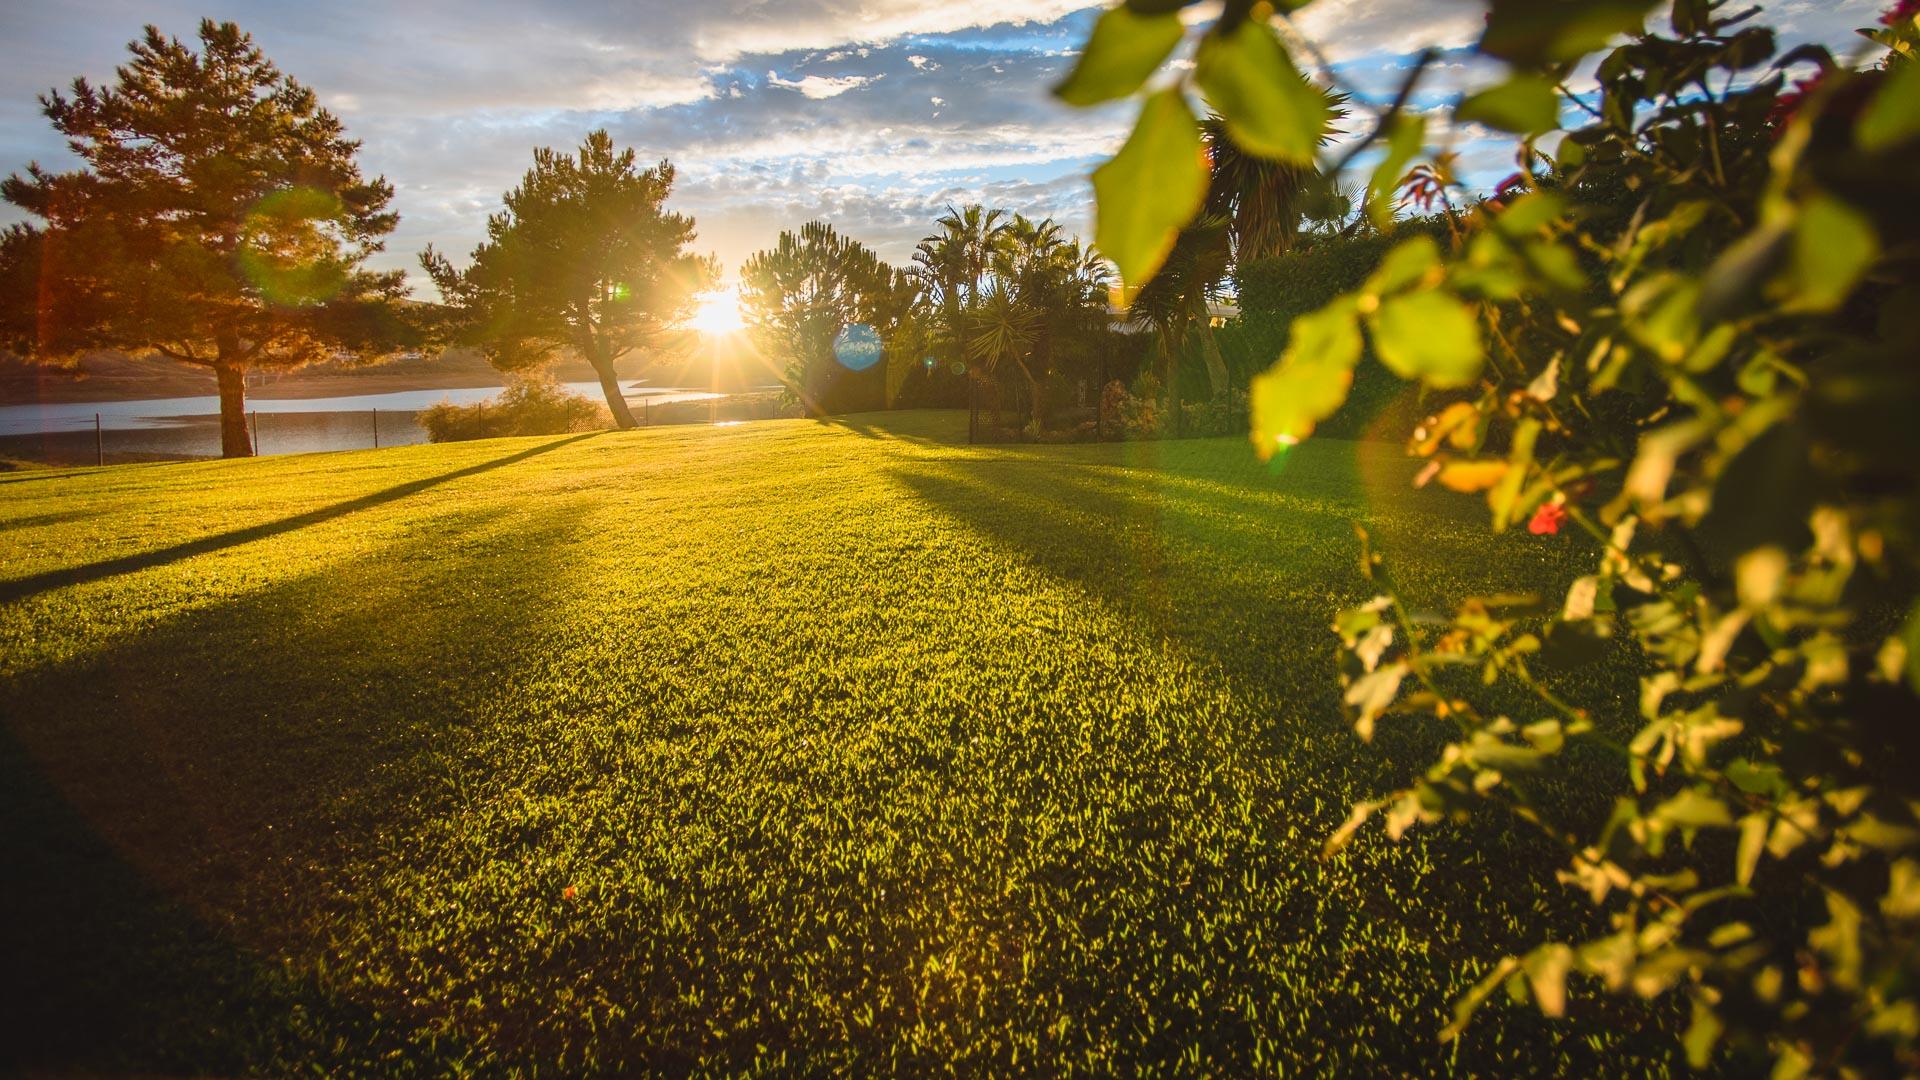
(1200, 563)
(181, 812)
(54, 579)
(1246, 578)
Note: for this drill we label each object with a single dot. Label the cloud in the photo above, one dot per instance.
(872, 113)
(820, 87)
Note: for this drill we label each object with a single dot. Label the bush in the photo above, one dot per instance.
(525, 407)
(1228, 416)
(1135, 413)
(1687, 340)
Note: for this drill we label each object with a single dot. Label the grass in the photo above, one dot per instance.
(783, 747)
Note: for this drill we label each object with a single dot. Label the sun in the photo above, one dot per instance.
(718, 312)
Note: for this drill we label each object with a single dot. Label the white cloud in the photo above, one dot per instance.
(821, 87)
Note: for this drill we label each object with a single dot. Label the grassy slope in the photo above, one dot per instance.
(857, 749)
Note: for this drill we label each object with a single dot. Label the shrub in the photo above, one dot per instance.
(1688, 338)
(1201, 419)
(1134, 413)
(525, 407)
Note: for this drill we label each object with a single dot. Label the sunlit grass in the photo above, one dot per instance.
(788, 746)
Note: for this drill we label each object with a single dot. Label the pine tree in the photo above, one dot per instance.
(585, 259)
(219, 219)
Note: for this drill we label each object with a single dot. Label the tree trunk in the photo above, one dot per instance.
(1216, 363)
(1037, 413)
(234, 440)
(610, 386)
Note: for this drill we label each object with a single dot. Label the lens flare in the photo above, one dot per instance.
(718, 313)
(857, 347)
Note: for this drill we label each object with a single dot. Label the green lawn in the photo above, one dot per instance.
(790, 747)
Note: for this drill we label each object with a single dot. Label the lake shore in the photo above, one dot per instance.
(109, 377)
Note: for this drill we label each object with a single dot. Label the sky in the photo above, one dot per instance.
(872, 115)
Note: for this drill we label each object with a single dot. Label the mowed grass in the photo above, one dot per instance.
(790, 747)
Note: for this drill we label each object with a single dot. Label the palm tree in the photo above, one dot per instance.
(975, 231)
(1004, 327)
(1044, 295)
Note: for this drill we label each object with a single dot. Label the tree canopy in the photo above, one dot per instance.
(584, 259)
(219, 219)
(802, 292)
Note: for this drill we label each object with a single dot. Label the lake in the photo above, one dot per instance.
(188, 427)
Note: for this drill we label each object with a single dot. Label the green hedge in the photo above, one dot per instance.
(1273, 292)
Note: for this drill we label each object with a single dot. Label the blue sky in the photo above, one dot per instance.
(870, 114)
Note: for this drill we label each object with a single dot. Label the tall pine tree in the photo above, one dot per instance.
(219, 219)
(585, 259)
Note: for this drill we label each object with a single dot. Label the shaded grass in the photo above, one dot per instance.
(789, 747)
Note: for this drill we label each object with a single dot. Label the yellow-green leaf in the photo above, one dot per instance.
(1405, 265)
(1123, 50)
(1893, 117)
(1524, 104)
(1702, 1034)
(1270, 108)
(1310, 381)
(1833, 246)
(1151, 188)
(1431, 336)
(1406, 134)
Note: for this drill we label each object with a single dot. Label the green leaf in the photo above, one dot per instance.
(1311, 380)
(1151, 188)
(1538, 32)
(1502, 498)
(1546, 969)
(1753, 839)
(1530, 213)
(1911, 634)
(1833, 246)
(1405, 135)
(1693, 808)
(1123, 50)
(1703, 1034)
(1270, 108)
(1406, 264)
(1893, 117)
(1429, 335)
(1524, 104)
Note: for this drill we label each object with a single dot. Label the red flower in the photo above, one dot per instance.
(1547, 520)
(1787, 104)
(568, 893)
(1900, 12)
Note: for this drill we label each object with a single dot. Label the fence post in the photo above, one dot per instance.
(256, 433)
(99, 448)
(376, 429)
(646, 411)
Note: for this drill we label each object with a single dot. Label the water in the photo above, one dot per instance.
(180, 427)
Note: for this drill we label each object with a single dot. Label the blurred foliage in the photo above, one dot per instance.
(1687, 334)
